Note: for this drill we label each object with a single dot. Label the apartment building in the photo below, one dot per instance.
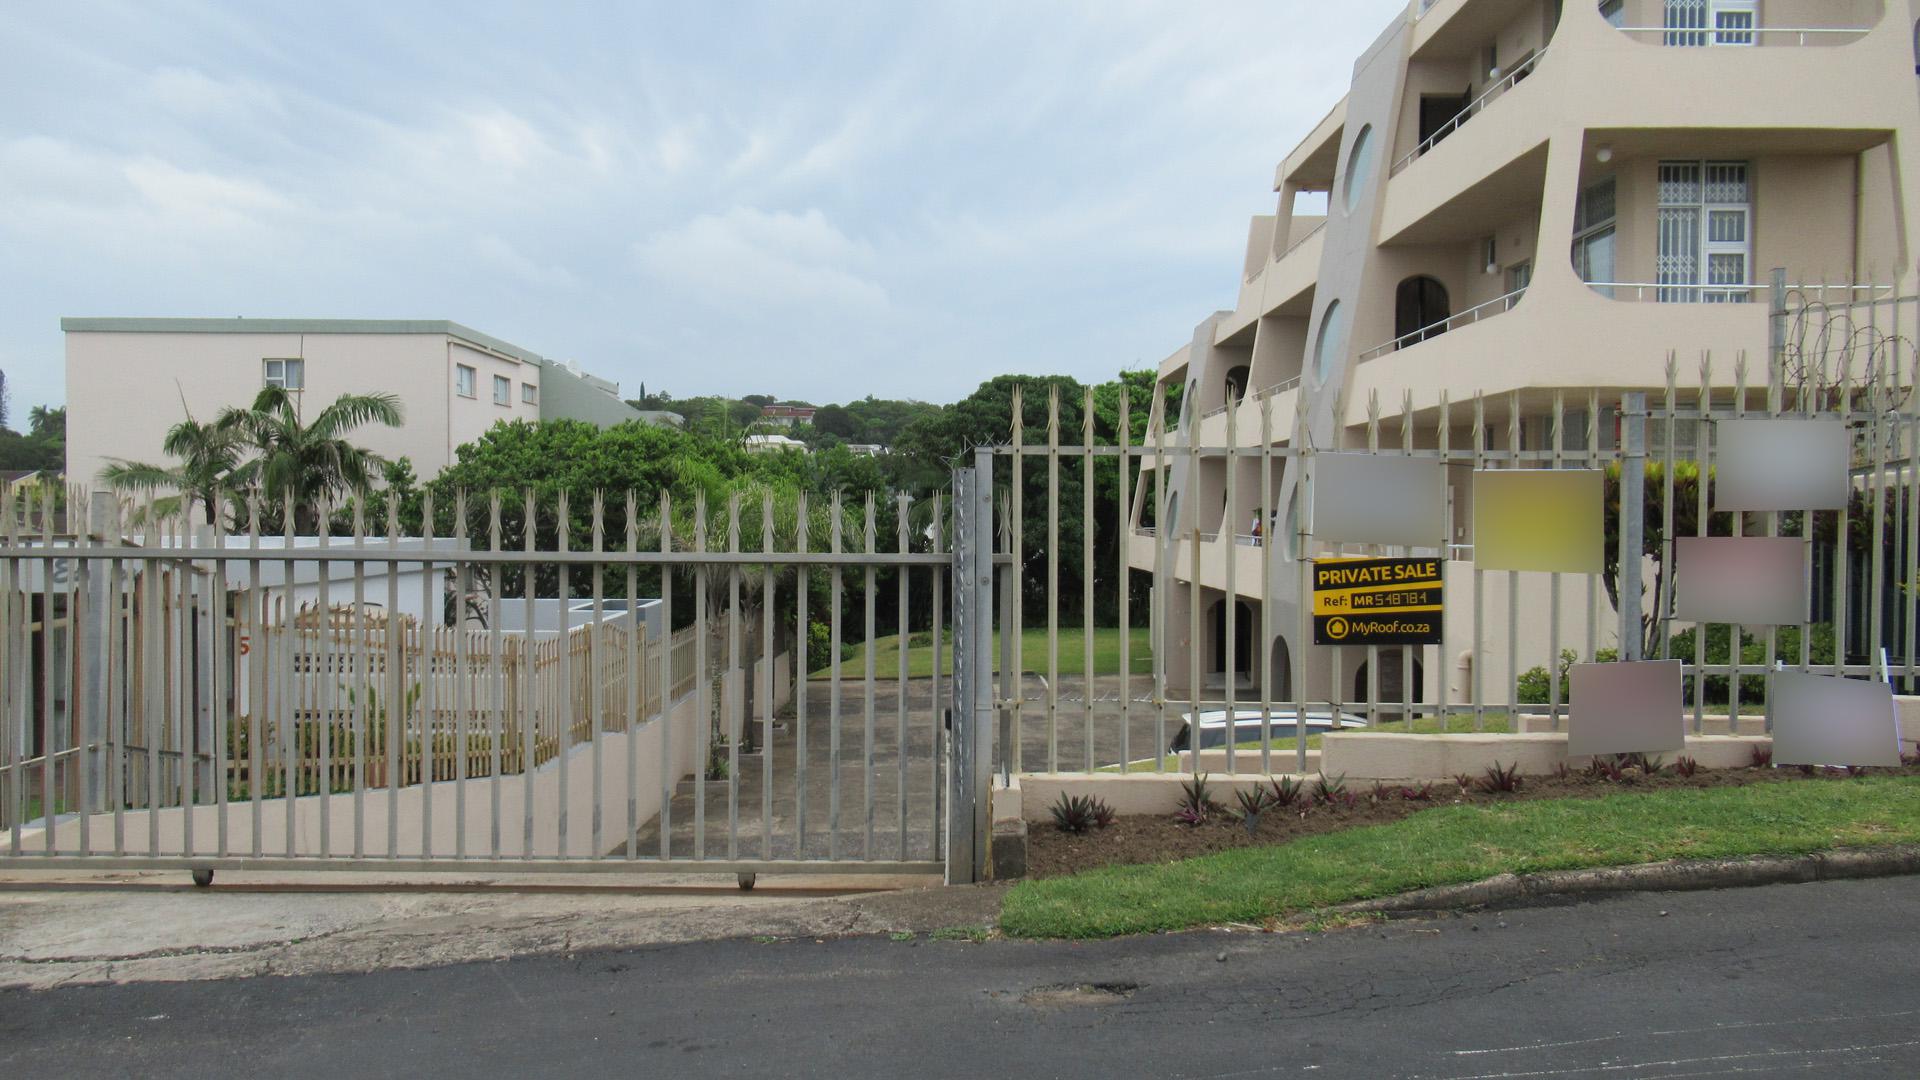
(130, 379)
(1518, 197)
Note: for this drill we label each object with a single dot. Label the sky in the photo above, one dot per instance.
(812, 200)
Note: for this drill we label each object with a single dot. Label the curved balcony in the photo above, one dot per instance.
(1497, 306)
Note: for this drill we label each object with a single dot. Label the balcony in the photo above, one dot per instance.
(1474, 108)
(1497, 306)
(1734, 33)
(1668, 293)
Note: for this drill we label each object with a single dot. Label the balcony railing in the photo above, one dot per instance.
(1310, 234)
(1520, 71)
(1473, 314)
(1278, 388)
(1668, 293)
(1701, 36)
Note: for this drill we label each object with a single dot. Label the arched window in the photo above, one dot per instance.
(1420, 307)
(1237, 382)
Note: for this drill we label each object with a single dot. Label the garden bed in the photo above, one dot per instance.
(1052, 852)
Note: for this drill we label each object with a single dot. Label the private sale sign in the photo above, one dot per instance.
(1377, 602)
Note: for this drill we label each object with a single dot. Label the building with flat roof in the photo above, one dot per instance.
(130, 379)
(1518, 199)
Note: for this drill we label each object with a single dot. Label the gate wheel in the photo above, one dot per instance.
(746, 882)
(203, 878)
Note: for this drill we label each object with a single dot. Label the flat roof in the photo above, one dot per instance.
(241, 325)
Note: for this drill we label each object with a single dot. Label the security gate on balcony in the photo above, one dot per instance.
(489, 695)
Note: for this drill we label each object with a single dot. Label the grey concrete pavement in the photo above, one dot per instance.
(63, 930)
(1794, 980)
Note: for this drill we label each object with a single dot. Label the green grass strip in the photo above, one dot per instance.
(1456, 844)
(1033, 654)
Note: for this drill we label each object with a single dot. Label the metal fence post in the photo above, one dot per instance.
(1633, 484)
(969, 771)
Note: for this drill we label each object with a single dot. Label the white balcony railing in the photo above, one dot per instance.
(1701, 36)
(1496, 306)
(1656, 292)
(1520, 71)
(1278, 388)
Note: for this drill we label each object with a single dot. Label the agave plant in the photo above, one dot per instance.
(1286, 791)
(1501, 780)
(1074, 813)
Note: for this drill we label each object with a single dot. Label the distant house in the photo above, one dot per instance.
(865, 449)
(764, 444)
(787, 415)
(128, 378)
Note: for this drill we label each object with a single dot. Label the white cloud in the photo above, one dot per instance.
(746, 255)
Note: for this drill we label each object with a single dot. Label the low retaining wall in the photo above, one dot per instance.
(408, 808)
(1359, 756)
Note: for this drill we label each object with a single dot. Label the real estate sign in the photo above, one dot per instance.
(1376, 601)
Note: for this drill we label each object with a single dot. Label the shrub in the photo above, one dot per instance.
(1686, 767)
(1102, 813)
(1499, 781)
(819, 646)
(1380, 793)
(1253, 801)
(1753, 653)
(1465, 780)
(1286, 791)
(1329, 790)
(1073, 813)
(1762, 757)
(1196, 800)
(1533, 687)
(1423, 793)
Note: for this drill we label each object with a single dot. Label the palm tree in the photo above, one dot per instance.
(311, 462)
(210, 461)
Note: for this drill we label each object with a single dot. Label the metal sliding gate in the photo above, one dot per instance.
(175, 695)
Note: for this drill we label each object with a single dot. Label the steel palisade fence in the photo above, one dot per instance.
(1841, 353)
(175, 696)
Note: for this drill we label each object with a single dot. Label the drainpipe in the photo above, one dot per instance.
(1464, 667)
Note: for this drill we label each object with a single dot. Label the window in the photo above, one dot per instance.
(502, 390)
(1519, 276)
(1695, 23)
(463, 380)
(1490, 254)
(1593, 227)
(1614, 11)
(287, 374)
(1359, 164)
(529, 393)
(1705, 231)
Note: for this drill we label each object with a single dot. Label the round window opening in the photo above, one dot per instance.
(1359, 165)
(1331, 340)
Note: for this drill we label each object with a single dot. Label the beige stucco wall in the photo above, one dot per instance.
(124, 390)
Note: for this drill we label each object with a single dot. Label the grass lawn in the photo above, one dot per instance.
(1456, 844)
(1033, 650)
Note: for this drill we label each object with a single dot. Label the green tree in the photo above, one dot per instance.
(210, 461)
(311, 461)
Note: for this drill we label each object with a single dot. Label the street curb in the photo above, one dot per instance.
(1656, 877)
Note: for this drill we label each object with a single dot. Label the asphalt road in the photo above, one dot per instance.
(1795, 980)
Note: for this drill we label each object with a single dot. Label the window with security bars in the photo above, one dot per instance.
(1705, 232)
(1695, 23)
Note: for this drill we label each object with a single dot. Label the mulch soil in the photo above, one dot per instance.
(1052, 851)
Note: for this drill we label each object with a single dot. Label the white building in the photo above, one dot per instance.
(129, 380)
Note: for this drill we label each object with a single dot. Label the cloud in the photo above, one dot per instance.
(750, 256)
(895, 199)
